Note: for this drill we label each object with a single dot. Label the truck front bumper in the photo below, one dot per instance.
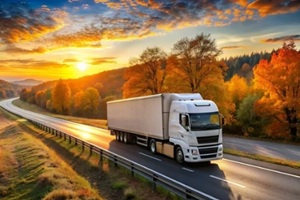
(202, 154)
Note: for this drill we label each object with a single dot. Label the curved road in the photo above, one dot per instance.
(223, 179)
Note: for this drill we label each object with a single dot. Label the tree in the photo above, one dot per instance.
(238, 89)
(251, 122)
(147, 75)
(61, 98)
(279, 78)
(196, 59)
(90, 101)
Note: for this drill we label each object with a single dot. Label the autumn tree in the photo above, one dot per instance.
(147, 75)
(90, 101)
(61, 98)
(238, 89)
(279, 78)
(197, 59)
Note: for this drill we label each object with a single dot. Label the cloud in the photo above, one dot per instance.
(17, 50)
(232, 47)
(282, 39)
(121, 20)
(19, 23)
(266, 8)
(103, 60)
(31, 64)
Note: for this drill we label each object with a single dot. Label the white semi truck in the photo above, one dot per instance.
(181, 126)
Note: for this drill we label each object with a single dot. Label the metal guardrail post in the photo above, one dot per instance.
(91, 149)
(70, 139)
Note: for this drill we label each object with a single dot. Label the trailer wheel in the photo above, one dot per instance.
(117, 135)
(152, 146)
(125, 138)
(179, 155)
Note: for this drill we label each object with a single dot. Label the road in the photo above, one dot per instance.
(270, 149)
(223, 179)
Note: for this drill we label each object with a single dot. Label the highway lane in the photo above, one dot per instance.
(271, 149)
(223, 179)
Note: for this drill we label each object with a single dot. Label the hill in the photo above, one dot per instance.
(28, 82)
(8, 90)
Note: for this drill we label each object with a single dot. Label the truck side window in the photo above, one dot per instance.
(184, 120)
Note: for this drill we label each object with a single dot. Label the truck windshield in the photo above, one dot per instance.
(204, 121)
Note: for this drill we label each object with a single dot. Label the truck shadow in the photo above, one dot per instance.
(214, 178)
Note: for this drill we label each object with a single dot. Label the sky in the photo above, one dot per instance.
(50, 40)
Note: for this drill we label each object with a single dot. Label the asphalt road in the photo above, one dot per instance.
(270, 149)
(223, 179)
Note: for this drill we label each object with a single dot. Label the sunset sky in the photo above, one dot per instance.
(49, 39)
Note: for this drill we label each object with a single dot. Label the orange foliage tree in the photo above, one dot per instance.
(280, 81)
(147, 75)
(60, 98)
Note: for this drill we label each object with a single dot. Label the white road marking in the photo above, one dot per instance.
(149, 156)
(266, 169)
(189, 170)
(221, 179)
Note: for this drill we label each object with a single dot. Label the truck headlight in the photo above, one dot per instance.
(194, 152)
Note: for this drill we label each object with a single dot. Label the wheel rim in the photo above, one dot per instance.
(125, 137)
(179, 156)
(152, 147)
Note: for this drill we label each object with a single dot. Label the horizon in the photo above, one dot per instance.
(69, 39)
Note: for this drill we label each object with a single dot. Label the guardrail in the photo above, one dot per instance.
(156, 178)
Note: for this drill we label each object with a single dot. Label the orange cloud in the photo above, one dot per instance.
(265, 7)
(21, 24)
(232, 47)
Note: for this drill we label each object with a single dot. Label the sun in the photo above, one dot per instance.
(82, 66)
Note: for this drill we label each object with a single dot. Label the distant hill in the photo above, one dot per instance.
(109, 83)
(29, 82)
(8, 90)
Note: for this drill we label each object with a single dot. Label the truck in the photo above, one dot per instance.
(182, 126)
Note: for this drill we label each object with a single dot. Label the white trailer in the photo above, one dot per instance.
(181, 126)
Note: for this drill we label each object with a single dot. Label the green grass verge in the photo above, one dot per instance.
(112, 182)
(30, 170)
(288, 163)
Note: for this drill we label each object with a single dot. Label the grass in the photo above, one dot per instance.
(111, 182)
(30, 170)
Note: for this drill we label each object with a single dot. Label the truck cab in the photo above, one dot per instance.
(195, 129)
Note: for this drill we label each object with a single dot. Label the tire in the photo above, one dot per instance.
(152, 146)
(179, 157)
(122, 137)
(118, 136)
(125, 138)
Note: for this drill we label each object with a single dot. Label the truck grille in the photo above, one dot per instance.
(208, 139)
(208, 152)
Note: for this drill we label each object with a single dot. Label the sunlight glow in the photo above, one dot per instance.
(82, 66)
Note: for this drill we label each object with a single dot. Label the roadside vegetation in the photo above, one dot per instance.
(37, 165)
(30, 170)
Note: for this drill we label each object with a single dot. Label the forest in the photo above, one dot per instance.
(258, 94)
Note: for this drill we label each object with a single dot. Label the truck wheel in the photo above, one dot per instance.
(118, 136)
(179, 155)
(125, 138)
(152, 146)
